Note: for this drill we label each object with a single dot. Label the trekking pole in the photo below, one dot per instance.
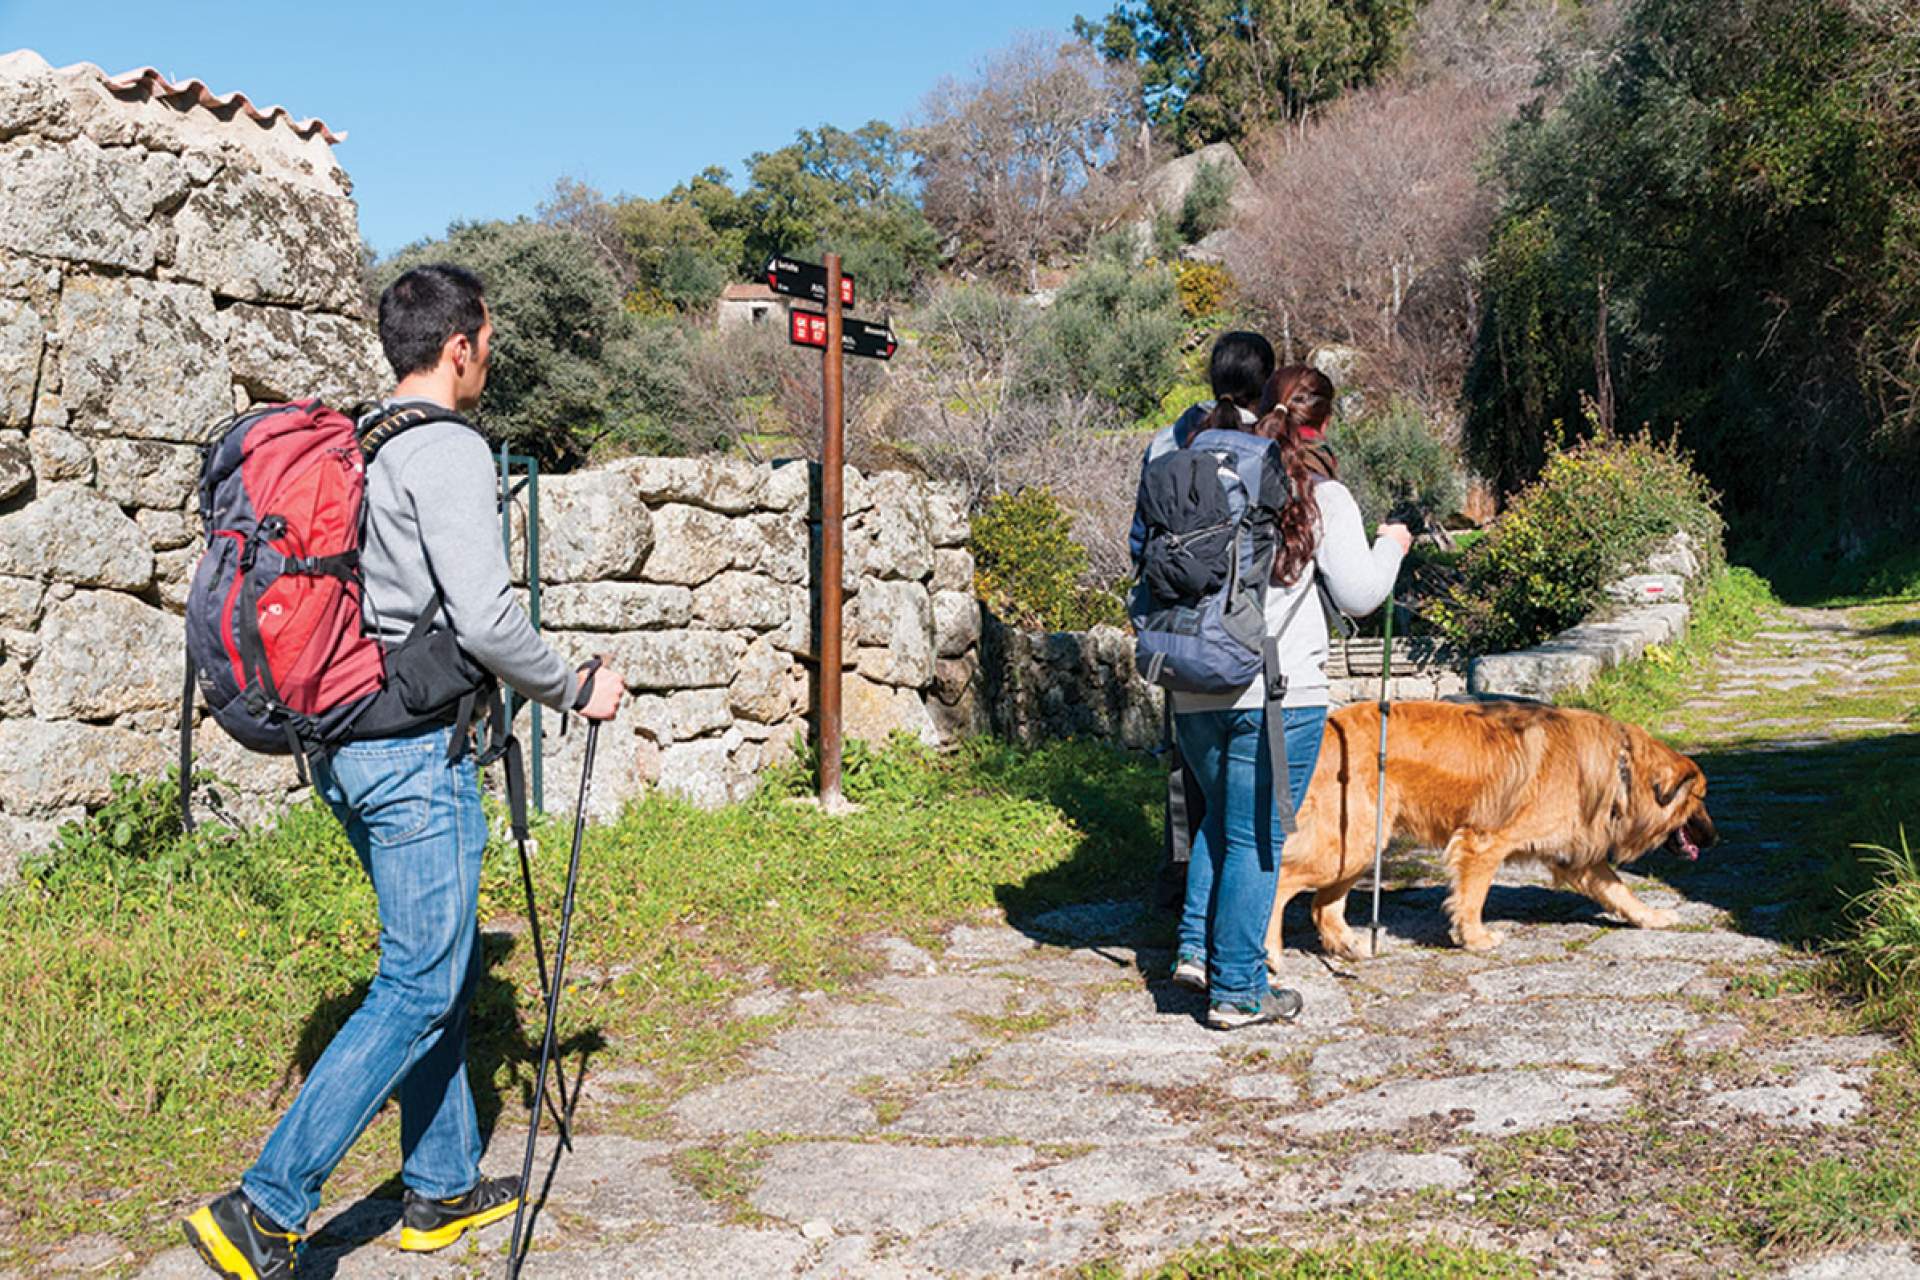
(517, 1247)
(1380, 780)
(559, 1108)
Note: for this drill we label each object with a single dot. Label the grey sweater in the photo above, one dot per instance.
(432, 519)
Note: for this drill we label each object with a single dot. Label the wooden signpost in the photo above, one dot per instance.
(836, 337)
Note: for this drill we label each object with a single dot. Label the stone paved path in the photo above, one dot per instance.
(1026, 1100)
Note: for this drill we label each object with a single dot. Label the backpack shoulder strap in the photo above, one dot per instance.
(376, 429)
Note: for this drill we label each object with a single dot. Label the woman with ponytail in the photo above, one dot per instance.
(1321, 543)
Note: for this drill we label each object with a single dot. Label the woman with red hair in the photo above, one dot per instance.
(1321, 544)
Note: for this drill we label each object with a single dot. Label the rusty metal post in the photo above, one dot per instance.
(832, 514)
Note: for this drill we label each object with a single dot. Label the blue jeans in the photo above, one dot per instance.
(1236, 862)
(416, 823)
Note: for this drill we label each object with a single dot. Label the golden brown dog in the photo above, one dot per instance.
(1489, 781)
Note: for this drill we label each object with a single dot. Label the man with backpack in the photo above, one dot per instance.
(431, 566)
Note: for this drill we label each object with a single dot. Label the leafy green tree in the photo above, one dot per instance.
(1220, 70)
(572, 370)
(1717, 229)
(1113, 331)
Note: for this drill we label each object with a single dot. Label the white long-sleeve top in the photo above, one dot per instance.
(1358, 577)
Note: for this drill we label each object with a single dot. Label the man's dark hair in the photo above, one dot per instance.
(425, 307)
(1238, 369)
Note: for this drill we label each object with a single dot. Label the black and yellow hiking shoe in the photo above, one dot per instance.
(239, 1242)
(427, 1224)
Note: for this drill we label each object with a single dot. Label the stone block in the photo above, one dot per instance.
(33, 99)
(103, 654)
(690, 545)
(142, 360)
(1647, 588)
(167, 530)
(947, 525)
(762, 689)
(729, 485)
(776, 545)
(257, 238)
(956, 622)
(22, 337)
(615, 606)
(83, 203)
(952, 570)
(702, 773)
(873, 712)
(59, 455)
(743, 601)
(16, 464)
(892, 538)
(20, 603)
(281, 354)
(671, 660)
(146, 473)
(48, 766)
(75, 535)
(695, 712)
(788, 486)
(593, 527)
(624, 765)
(1532, 673)
(892, 627)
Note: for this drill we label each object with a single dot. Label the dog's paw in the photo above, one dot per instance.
(1658, 918)
(1350, 947)
(1479, 939)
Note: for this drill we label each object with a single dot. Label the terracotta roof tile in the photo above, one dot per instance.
(151, 80)
(748, 293)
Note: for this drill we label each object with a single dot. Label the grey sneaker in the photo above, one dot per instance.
(1281, 1004)
(1190, 971)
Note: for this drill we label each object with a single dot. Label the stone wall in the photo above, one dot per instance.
(162, 264)
(1041, 685)
(695, 577)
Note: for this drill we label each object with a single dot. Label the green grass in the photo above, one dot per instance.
(1179, 398)
(1732, 607)
(1379, 1260)
(1885, 570)
(165, 994)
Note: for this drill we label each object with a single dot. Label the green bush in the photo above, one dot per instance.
(1595, 512)
(1391, 458)
(1028, 569)
(1209, 203)
(1113, 331)
(1880, 957)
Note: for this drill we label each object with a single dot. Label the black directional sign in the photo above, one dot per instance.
(805, 280)
(857, 337)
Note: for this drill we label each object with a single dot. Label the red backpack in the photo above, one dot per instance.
(274, 631)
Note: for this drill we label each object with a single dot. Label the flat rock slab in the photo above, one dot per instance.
(901, 956)
(1816, 1098)
(1410, 1013)
(957, 993)
(766, 1104)
(896, 1189)
(838, 1053)
(983, 944)
(1346, 1062)
(1373, 1174)
(1874, 1262)
(1133, 1175)
(1587, 1033)
(1712, 946)
(1086, 922)
(1264, 1088)
(1831, 1051)
(1601, 978)
(1004, 1245)
(1037, 1115)
(674, 1255)
(1112, 1058)
(1498, 1102)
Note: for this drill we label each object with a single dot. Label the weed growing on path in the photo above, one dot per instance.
(1390, 1260)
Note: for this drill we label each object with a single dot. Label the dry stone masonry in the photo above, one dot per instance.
(161, 265)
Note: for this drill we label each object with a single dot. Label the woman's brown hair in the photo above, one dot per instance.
(1298, 399)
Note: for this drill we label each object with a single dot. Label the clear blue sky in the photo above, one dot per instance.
(471, 109)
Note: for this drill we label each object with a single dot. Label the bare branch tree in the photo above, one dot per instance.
(1007, 159)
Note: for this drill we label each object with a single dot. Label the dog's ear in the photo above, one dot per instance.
(1681, 774)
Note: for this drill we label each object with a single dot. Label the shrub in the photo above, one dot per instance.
(1392, 458)
(1595, 512)
(1880, 957)
(1205, 288)
(1114, 331)
(1028, 568)
(1209, 203)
